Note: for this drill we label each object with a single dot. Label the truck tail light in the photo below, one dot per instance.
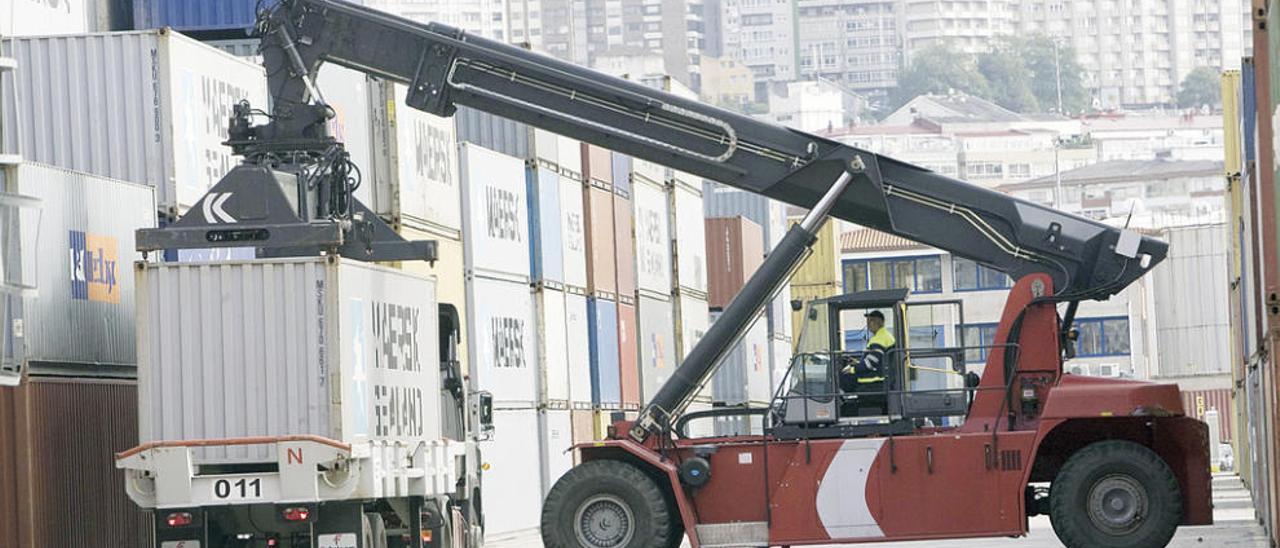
(179, 519)
(296, 513)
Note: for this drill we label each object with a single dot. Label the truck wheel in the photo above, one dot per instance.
(1115, 494)
(606, 504)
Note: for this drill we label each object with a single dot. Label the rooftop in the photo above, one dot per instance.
(868, 239)
(955, 108)
(1125, 170)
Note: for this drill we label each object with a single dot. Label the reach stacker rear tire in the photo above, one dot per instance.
(1115, 494)
(606, 504)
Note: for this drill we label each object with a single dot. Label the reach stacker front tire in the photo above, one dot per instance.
(606, 504)
(1115, 494)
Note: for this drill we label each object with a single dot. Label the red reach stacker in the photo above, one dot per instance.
(1114, 463)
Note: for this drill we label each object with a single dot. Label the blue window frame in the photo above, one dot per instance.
(968, 275)
(1102, 337)
(977, 339)
(919, 274)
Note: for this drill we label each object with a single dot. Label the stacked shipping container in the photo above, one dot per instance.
(735, 249)
(59, 429)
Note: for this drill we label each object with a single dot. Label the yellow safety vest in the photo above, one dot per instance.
(880, 344)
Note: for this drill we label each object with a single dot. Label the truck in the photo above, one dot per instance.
(1112, 462)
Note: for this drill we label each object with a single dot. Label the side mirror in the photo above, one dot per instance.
(484, 415)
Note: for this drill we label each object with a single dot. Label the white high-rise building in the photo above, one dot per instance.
(1137, 52)
(761, 34)
(856, 43)
(966, 25)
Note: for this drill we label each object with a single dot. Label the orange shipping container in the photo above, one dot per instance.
(735, 249)
(624, 250)
(1196, 402)
(602, 277)
(597, 163)
(58, 481)
(628, 361)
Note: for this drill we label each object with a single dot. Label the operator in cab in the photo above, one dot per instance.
(867, 374)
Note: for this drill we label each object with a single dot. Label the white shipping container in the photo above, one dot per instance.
(652, 172)
(423, 152)
(77, 251)
(44, 17)
(511, 490)
(556, 437)
(779, 359)
(497, 218)
(553, 352)
(352, 96)
(322, 346)
(546, 146)
(577, 333)
(693, 317)
(502, 346)
(569, 151)
(573, 233)
(689, 236)
(148, 107)
(652, 237)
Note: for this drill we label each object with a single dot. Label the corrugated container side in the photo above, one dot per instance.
(621, 168)
(451, 285)
(744, 375)
(146, 107)
(624, 249)
(221, 352)
(503, 341)
(420, 161)
(725, 201)
(494, 204)
(85, 310)
(573, 228)
(197, 14)
(546, 247)
(657, 339)
(578, 336)
(511, 491)
(628, 359)
(597, 165)
(58, 437)
(553, 352)
(602, 276)
(42, 17)
(823, 265)
(606, 383)
(555, 429)
(571, 159)
(1196, 402)
(735, 249)
(1185, 319)
(652, 239)
(689, 245)
(546, 149)
(494, 132)
(693, 318)
(584, 427)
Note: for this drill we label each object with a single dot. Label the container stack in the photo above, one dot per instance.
(725, 201)
(602, 280)
(689, 270)
(501, 321)
(148, 107)
(72, 349)
(655, 302)
(735, 249)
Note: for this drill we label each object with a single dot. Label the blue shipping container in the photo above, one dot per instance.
(606, 381)
(197, 15)
(621, 169)
(546, 245)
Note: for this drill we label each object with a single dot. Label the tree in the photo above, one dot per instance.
(939, 69)
(1045, 68)
(1200, 88)
(1007, 79)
